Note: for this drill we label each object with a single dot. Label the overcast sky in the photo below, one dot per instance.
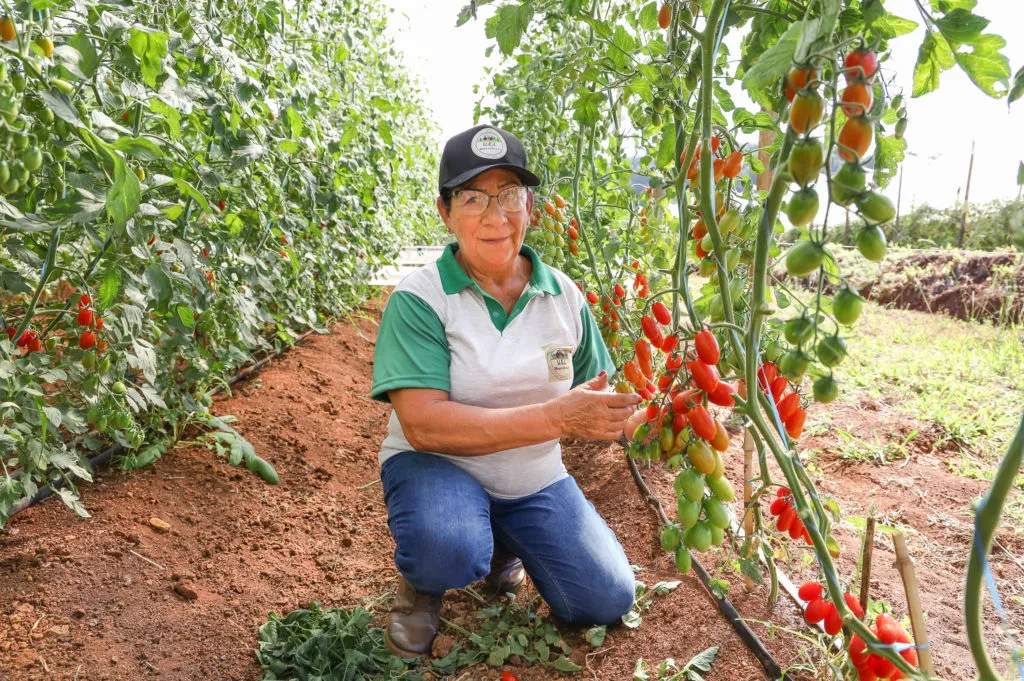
(449, 61)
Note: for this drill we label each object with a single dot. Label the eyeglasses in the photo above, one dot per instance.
(476, 202)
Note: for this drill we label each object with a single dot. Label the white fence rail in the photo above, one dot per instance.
(409, 260)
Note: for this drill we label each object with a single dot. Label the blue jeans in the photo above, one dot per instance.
(445, 526)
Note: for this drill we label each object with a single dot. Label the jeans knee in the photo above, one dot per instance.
(442, 560)
(607, 603)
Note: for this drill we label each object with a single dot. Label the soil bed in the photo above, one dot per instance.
(113, 597)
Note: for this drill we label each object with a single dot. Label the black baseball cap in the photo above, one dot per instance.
(481, 148)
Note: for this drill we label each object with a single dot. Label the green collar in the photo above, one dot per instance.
(454, 278)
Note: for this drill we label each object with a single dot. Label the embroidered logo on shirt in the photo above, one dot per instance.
(559, 362)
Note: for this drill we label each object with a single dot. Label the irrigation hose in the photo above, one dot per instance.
(103, 457)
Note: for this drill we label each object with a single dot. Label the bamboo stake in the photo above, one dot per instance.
(748, 492)
(865, 562)
(905, 564)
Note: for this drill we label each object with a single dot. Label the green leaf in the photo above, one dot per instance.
(160, 284)
(621, 49)
(512, 22)
(138, 147)
(185, 314)
(61, 106)
(776, 60)
(150, 48)
(89, 61)
(586, 107)
(703, 660)
(751, 567)
(933, 57)
(1018, 87)
(564, 664)
(960, 26)
(890, 26)
(109, 287)
(124, 195)
(649, 16)
(631, 619)
(987, 67)
(595, 635)
(667, 150)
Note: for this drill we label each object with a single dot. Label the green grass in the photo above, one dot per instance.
(964, 376)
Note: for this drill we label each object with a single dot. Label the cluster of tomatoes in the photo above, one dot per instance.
(91, 322)
(29, 340)
(791, 412)
(820, 609)
(871, 666)
(554, 234)
(786, 518)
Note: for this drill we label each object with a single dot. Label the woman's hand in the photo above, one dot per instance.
(589, 412)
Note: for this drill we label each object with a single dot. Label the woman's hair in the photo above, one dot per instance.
(446, 198)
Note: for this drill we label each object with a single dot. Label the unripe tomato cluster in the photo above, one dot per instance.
(552, 236)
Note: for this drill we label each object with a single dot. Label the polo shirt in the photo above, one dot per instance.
(440, 330)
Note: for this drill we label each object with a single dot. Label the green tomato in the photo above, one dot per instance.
(684, 561)
(688, 511)
(831, 350)
(717, 535)
(804, 258)
(798, 329)
(847, 184)
(89, 360)
(722, 489)
(118, 388)
(794, 364)
(847, 305)
(825, 389)
(802, 207)
(875, 208)
(716, 513)
(716, 308)
(871, 243)
(103, 365)
(32, 158)
(10, 186)
(698, 537)
(671, 538)
(690, 483)
(805, 161)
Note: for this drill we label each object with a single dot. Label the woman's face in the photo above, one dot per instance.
(491, 240)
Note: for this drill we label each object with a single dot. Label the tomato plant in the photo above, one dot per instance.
(150, 159)
(606, 93)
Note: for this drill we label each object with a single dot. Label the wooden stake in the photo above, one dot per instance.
(865, 562)
(905, 564)
(748, 492)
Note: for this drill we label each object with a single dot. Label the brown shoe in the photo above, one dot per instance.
(412, 622)
(507, 574)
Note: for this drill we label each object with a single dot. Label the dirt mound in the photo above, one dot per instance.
(968, 286)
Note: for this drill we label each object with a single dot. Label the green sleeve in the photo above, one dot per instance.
(591, 356)
(412, 348)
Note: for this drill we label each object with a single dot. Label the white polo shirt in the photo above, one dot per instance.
(440, 330)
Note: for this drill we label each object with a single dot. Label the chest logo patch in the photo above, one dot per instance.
(559, 359)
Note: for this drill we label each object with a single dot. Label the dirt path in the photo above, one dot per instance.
(113, 598)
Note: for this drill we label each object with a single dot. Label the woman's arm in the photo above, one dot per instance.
(433, 423)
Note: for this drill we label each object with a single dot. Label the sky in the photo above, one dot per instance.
(450, 61)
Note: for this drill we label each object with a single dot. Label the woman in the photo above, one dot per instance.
(489, 357)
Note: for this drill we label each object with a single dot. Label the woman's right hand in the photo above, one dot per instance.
(590, 412)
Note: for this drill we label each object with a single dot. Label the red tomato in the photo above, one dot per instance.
(854, 605)
(858, 652)
(766, 374)
(833, 621)
(722, 395)
(86, 340)
(507, 676)
(795, 423)
(704, 375)
(674, 361)
(855, 138)
(718, 165)
(798, 80)
(664, 19)
(703, 424)
(686, 400)
(619, 291)
(809, 591)
(664, 381)
(670, 343)
(707, 347)
(650, 328)
(34, 344)
(678, 422)
(84, 316)
(856, 99)
(788, 405)
(652, 412)
(592, 297)
(778, 506)
(817, 610)
(84, 300)
(888, 629)
(661, 313)
(733, 164)
(779, 386)
(786, 519)
(98, 323)
(861, 64)
(221, 205)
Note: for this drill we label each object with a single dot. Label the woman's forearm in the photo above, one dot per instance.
(447, 427)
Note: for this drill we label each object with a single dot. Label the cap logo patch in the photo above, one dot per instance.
(488, 143)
